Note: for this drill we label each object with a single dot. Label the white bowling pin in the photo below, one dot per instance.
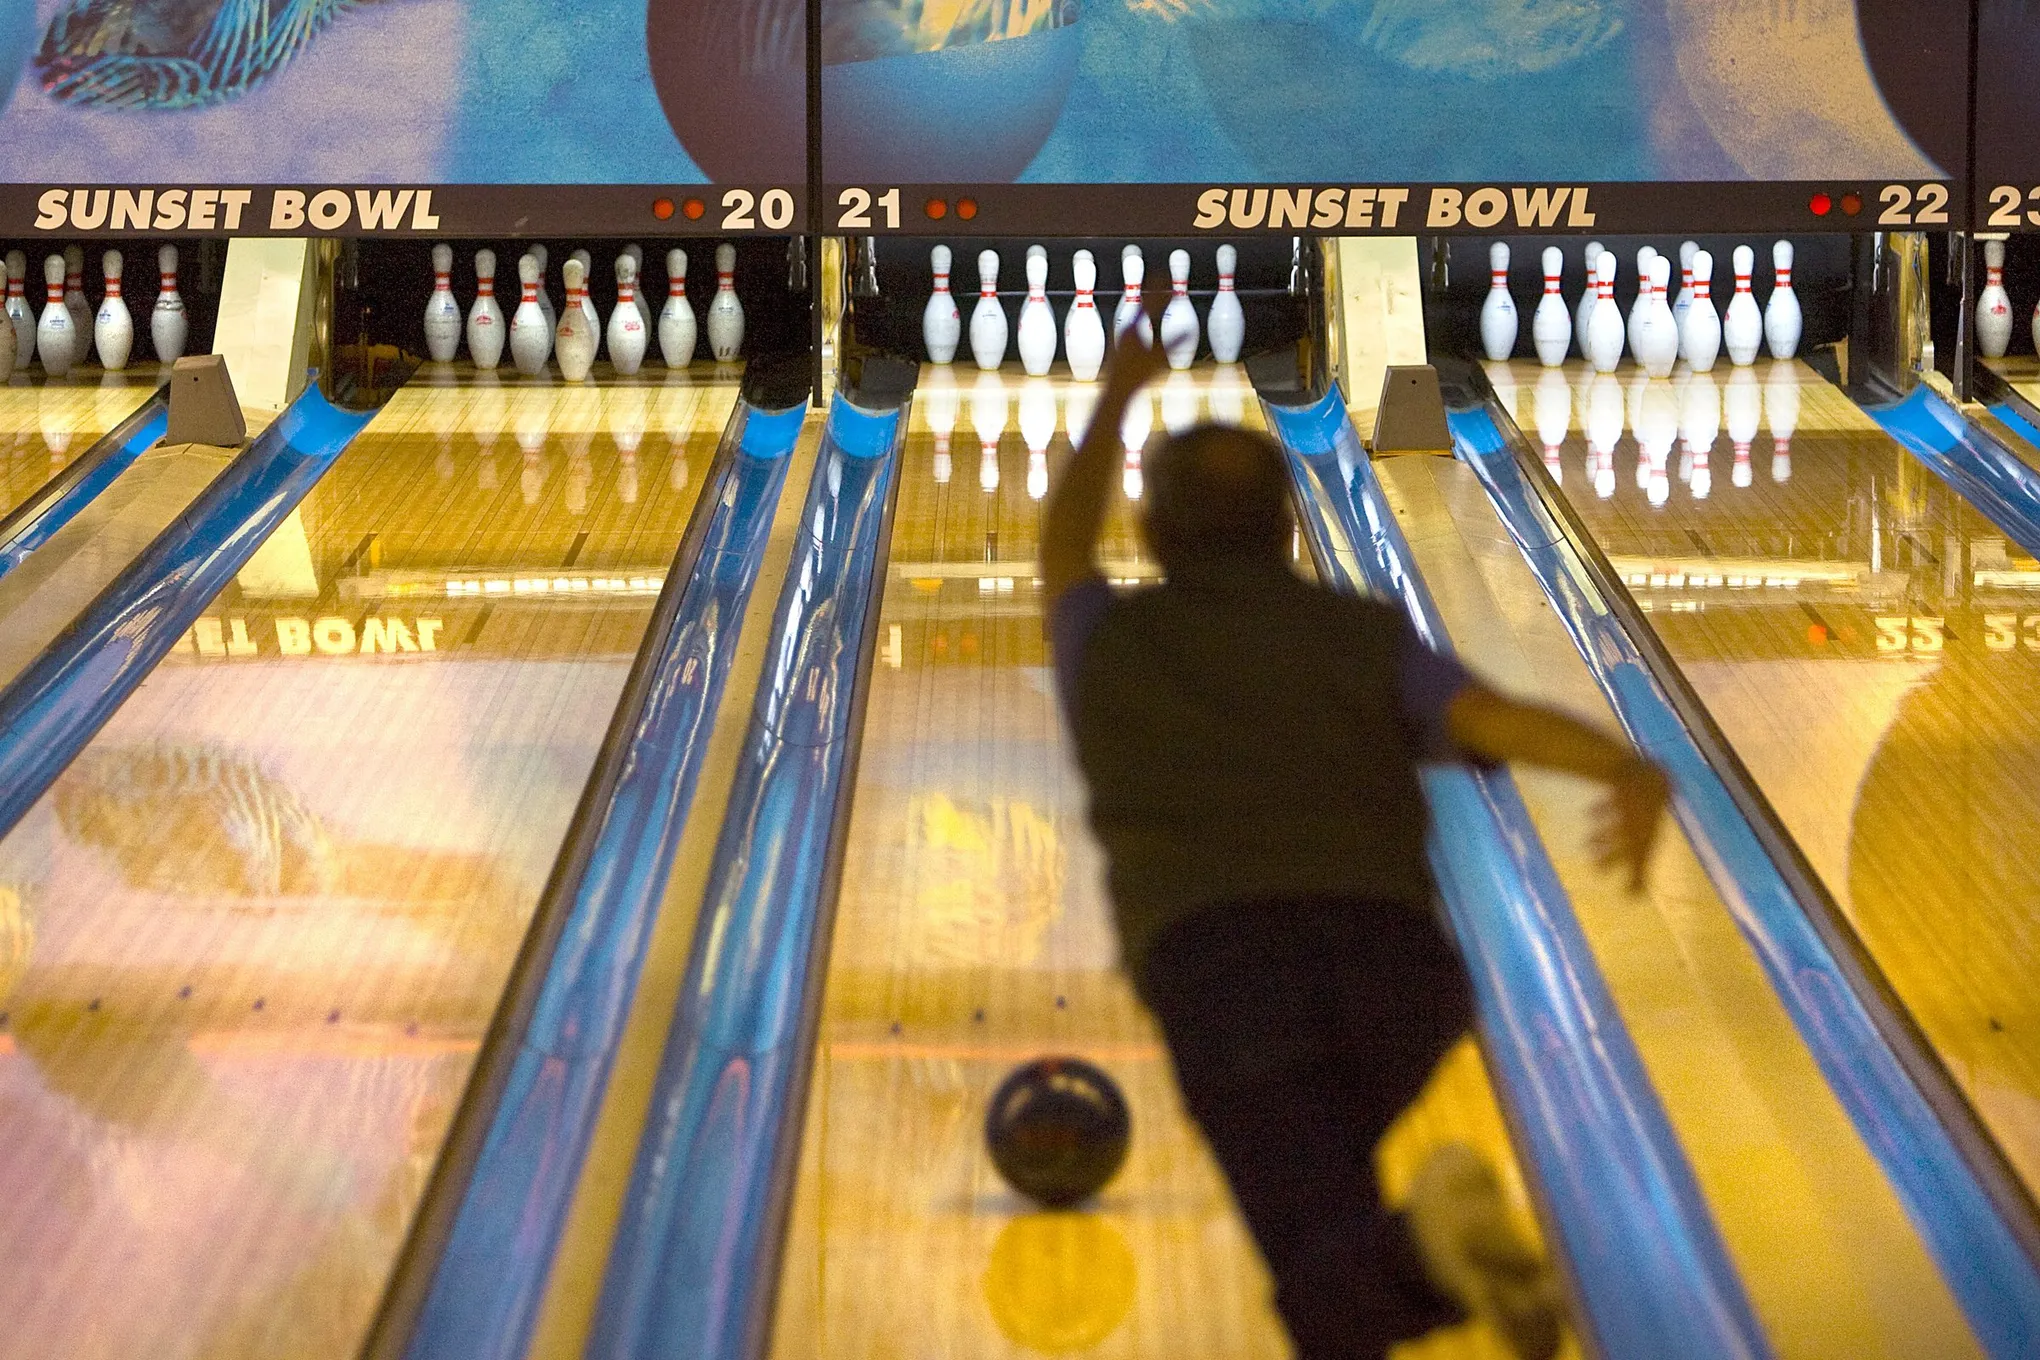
(626, 337)
(442, 313)
(587, 302)
(1687, 250)
(574, 336)
(18, 310)
(1179, 318)
(485, 329)
(1551, 326)
(8, 346)
(1638, 303)
(1742, 328)
(988, 318)
(169, 326)
(988, 418)
(637, 265)
(113, 329)
(1658, 333)
(1225, 325)
(530, 336)
(941, 322)
(1083, 328)
(1585, 310)
(1782, 321)
(1743, 403)
(725, 312)
(545, 307)
(1037, 318)
(74, 296)
(56, 335)
(1498, 312)
(676, 319)
(1132, 270)
(1993, 304)
(1781, 413)
(1604, 324)
(1700, 332)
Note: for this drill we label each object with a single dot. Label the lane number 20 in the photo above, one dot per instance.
(1900, 209)
(773, 208)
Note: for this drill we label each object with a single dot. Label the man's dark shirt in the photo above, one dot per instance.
(1249, 737)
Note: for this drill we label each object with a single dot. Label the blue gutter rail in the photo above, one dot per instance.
(66, 695)
(36, 520)
(1976, 466)
(691, 1272)
(1643, 1248)
(1980, 1255)
(488, 1283)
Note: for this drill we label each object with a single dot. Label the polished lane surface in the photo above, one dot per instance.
(250, 941)
(44, 425)
(1870, 645)
(972, 934)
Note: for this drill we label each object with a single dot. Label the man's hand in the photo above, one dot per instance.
(1626, 821)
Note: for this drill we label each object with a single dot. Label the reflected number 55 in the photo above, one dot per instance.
(856, 206)
(774, 210)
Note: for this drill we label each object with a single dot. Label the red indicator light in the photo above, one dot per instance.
(1852, 204)
(936, 209)
(693, 208)
(1821, 205)
(966, 208)
(662, 208)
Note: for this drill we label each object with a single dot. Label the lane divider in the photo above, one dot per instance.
(66, 694)
(1967, 1206)
(57, 502)
(1640, 1247)
(475, 1267)
(1974, 464)
(693, 1268)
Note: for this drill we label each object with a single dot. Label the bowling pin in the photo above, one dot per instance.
(74, 296)
(8, 346)
(1179, 318)
(988, 318)
(1781, 311)
(988, 418)
(545, 307)
(169, 327)
(113, 329)
(1744, 406)
(725, 312)
(1993, 305)
(1037, 318)
(1638, 303)
(1700, 332)
(1657, 333)
(56, 335)
(1498, 312)
(1781, 413)
(1742, 329)
(530, 336)
(1585, 310)
(574, 337)
(587, 302)
(637, 268)
(1083, 328)
(442, 313)
(1132, 270)
(18, 311)
(1551, 326)
(1604, 324)
(676, 320)
(1687, 250)
(626, 338)
(1226, 323)
(941, 322)
(485, 331)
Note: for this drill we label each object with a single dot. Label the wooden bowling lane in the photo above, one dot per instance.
(249, 942)
(44, 425)
(2021, 372)
(972, 934)
(1870, 645)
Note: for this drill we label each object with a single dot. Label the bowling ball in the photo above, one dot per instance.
(1058, 1130)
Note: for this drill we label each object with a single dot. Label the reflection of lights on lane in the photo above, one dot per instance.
(466, 587)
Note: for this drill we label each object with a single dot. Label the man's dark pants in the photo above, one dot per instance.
(1299, 1031)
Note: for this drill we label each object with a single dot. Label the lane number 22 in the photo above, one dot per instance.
(1900, 209)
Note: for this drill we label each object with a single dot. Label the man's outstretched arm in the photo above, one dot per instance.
(1494, 726)
(1075, 512)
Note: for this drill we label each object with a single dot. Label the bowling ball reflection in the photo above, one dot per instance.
(1058, 1130)
(1058, 1283)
